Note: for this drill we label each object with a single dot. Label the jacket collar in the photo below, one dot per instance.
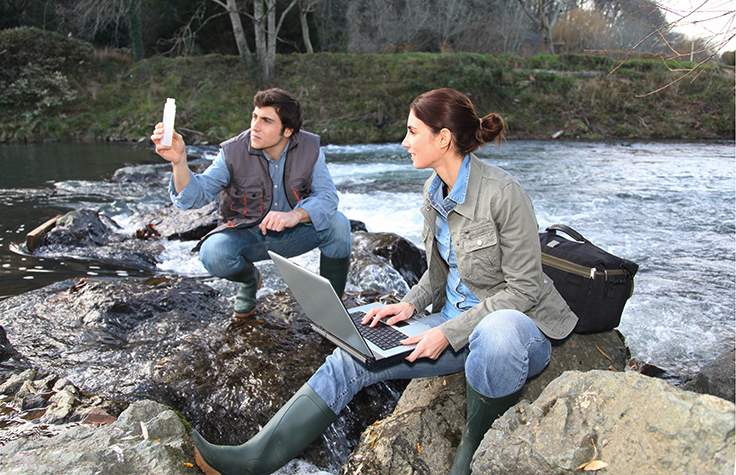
(468, 208)
(291, 145)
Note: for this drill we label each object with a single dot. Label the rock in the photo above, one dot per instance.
(6, 348)
(174, 223)
(634, 423)
(405, 257)
(603, 351)
(28, 402)
(173, 340)
(138, 173)
(80, 228)
(385, 262)
(60, 409)
(147, 438)
(13, 384)
(420, 436)
(717, 378)
(83, 234)
(430, 414)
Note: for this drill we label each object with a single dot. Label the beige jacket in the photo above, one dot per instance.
(496, 242)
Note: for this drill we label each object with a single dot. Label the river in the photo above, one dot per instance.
(668, 206)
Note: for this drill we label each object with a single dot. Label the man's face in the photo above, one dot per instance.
(265, 132)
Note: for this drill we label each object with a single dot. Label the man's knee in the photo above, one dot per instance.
(214, 255)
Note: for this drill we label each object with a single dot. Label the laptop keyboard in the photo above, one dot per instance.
(382, 335)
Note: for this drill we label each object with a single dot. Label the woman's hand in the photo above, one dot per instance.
(430, 344)
(397, 312)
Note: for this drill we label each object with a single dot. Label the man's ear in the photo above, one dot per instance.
(288, 131)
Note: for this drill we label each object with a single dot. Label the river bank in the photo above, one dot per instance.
(60, 89)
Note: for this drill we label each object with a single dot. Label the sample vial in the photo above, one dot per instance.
(169, 114)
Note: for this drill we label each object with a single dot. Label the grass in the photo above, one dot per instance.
(344, 95)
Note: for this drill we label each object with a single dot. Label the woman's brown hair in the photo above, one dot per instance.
(452, 110)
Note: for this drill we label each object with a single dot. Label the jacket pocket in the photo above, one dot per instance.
(248, 204)
(480, 254)
(479, 237)
(301, 188)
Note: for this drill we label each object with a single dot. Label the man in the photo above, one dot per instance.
(275, 194)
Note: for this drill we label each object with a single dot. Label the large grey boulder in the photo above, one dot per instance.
(147, 438)
(423, 433)
(633, 423)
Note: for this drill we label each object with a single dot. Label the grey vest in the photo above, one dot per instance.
(248, 197)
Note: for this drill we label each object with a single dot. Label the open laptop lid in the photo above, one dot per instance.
(322, 305)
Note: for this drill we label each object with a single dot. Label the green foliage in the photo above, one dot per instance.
(51, 51)
(38, 77)
(346, 95)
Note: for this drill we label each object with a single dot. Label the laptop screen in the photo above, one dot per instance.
(320, 302)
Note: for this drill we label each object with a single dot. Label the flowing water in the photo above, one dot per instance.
(668, 206)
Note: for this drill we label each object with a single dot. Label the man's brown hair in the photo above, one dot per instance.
(286, 106)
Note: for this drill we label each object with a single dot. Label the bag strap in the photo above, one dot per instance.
(628, 266)
(567, 230)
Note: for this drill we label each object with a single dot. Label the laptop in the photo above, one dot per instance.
(330, 318)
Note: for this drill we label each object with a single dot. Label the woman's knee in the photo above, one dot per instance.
(504, 347)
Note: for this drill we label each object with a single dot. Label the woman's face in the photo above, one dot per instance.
(423, 146)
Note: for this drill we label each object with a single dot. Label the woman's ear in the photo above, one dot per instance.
(445, 138)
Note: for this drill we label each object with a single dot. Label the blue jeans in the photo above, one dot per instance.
(226, 253)
(504, 350)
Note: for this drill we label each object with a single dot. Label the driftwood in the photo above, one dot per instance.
(33, 238)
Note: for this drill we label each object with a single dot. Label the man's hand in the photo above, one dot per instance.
(278, 220)
(430, 344)
(176, 153)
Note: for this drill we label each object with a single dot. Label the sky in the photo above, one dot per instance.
(711, 19)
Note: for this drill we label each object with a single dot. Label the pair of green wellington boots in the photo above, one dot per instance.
(306, 416)
(333, 269)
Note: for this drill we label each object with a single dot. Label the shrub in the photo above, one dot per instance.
(37, 75)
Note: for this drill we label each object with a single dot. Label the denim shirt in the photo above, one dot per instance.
(459, 297)
(203, 188)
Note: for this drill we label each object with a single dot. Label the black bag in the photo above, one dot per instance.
(594, 283)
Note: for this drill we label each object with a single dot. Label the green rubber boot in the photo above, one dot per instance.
(481, 412)
(250, 281)
(336, 271)
(299, 423)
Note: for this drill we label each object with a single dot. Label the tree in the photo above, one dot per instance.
(544, 13)
(267, 29)
(306, 7)
(231, 7)
(659, 33)
(426, 25)
(93, 16)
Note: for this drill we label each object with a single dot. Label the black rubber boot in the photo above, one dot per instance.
(250, 280)
(481, 412)
(336, 271)
(300, 422)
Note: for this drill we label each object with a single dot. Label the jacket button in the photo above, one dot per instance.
(480, 242)
(546, 281)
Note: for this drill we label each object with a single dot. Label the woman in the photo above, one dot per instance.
(496, 310)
